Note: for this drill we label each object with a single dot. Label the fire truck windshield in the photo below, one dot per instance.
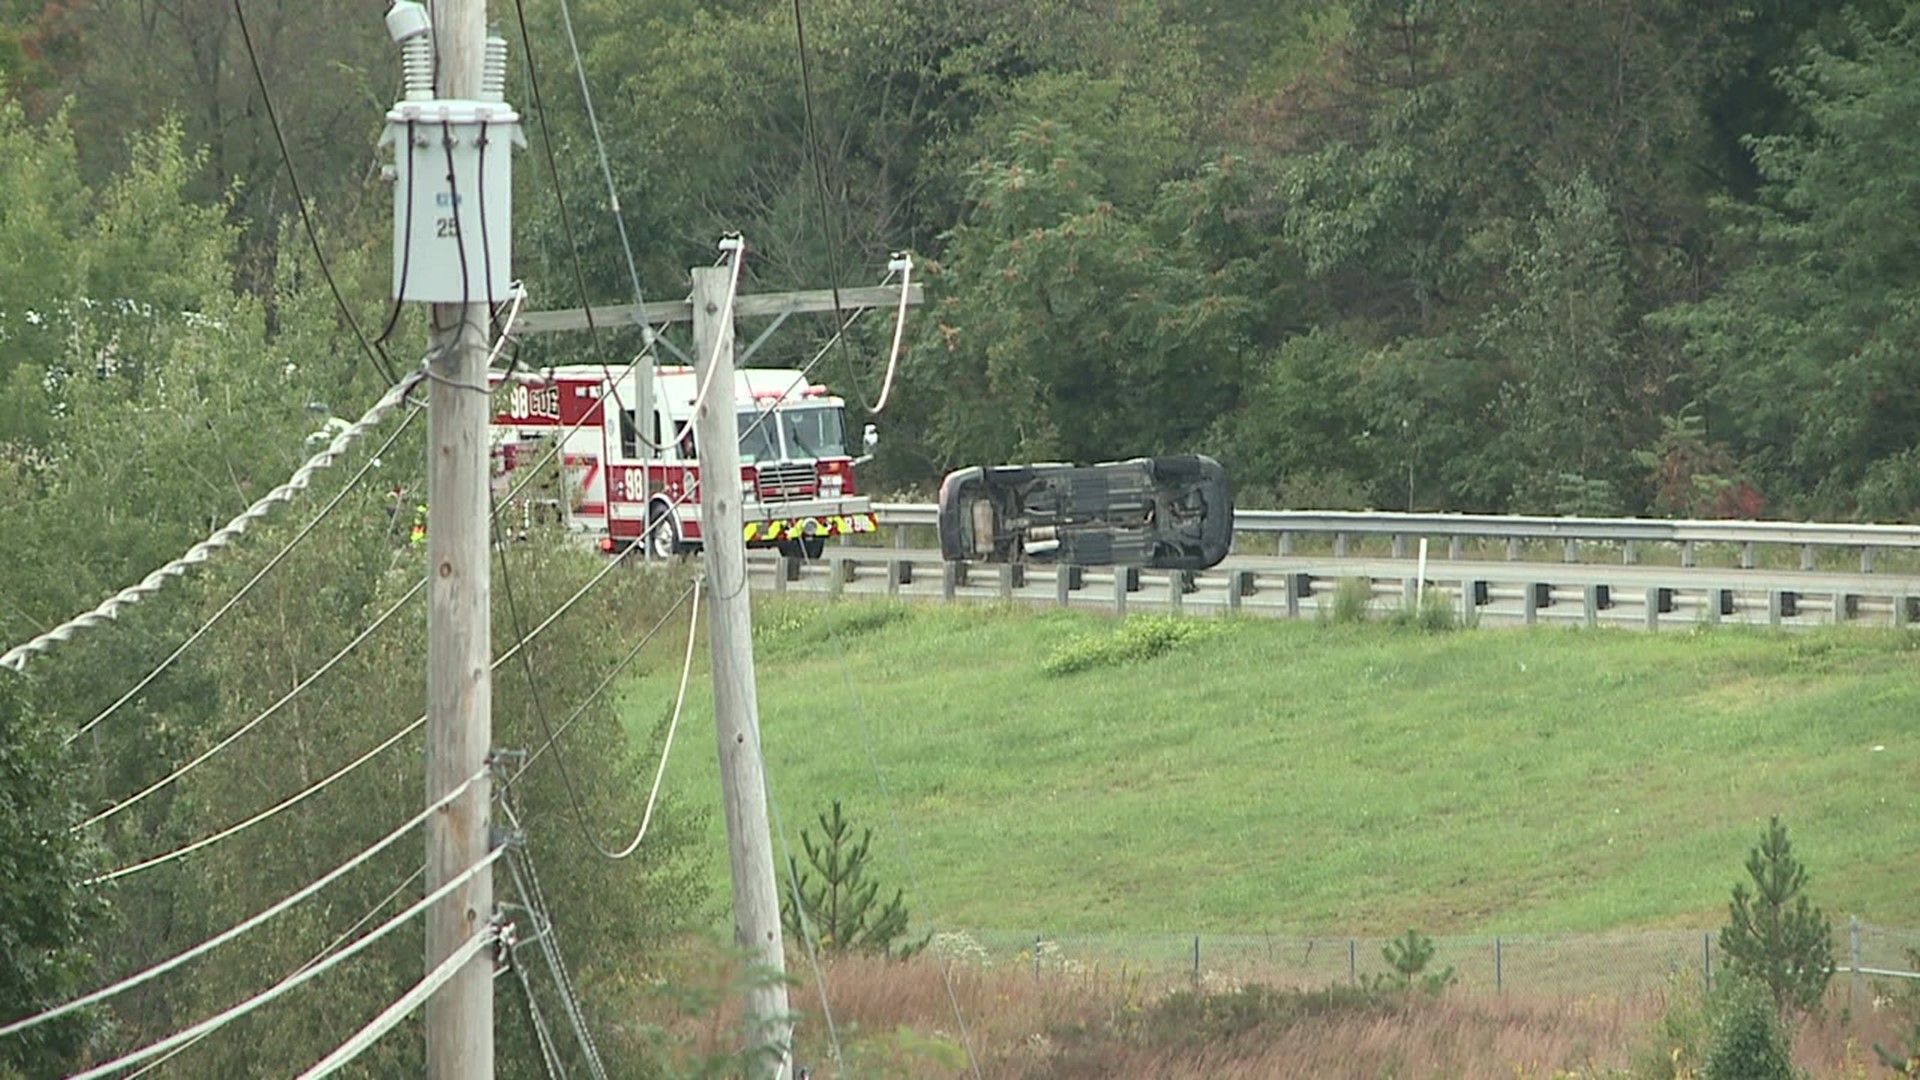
(758, 441)
(814, 432)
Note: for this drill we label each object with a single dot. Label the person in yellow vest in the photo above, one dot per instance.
(419, 534)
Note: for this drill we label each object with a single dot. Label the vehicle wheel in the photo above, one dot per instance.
(663, 533)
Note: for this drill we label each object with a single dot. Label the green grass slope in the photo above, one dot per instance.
(1268, 776)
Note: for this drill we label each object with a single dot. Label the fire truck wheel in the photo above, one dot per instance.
(663, 534)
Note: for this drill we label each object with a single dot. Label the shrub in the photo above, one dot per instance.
(1436, 613)
(1135, 639)
(1749, 1040)
(1352, 599)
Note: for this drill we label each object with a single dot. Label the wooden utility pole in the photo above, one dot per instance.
(736, 702)
(459, 1015)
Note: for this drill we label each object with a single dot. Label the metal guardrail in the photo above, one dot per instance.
(1630, 533)
(1479, 593)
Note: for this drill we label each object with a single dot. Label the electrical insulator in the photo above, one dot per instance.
(412, 29)
(493, 78)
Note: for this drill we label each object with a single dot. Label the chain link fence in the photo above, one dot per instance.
(1867, 958)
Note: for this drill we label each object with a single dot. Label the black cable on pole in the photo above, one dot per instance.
(820, 191)
(380, 358)
(539, 699)
(566, 227)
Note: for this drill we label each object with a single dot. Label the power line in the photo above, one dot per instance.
(380, 359)
(344, 770)
(600, 688)
(899, 329)
(606, 168)
(372, 913)
(550, 945)
(242, 927)
(235, 599)
(391, 1016)
(679, 700)
(542, 1033)
(283, 805)
(204, 756)
(294, 981)
(807, 936)
(540, 712)
(820, 190)
(17, 657)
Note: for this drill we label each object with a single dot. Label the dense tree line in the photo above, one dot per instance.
(1616, 256)
(1606, 256)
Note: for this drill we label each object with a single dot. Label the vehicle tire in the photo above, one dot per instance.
(663, 533)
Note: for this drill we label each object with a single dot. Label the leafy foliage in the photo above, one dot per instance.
(47, 913)
(1749, 1040)
(1775, 936)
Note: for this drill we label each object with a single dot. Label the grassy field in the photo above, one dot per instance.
(1311, 778)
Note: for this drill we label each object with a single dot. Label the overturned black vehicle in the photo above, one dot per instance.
(1170, 513)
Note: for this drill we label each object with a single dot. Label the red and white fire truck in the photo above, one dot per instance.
(796, 465)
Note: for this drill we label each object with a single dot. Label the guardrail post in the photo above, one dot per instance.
(1657, 602)
(1299, 587)
(952, 576)
(1866, 558)
(1776, 606)
(1176, 592)
(1409, 594)
(1806, 556)
(1065, 579)
(1900, 613)
(1012, 576)
(1286, 543)
(1630, 553)
(1399, 545)
(1239, 586)
(784, 570)
(1598, 598)
(1513, 549)
(1570, 550)
(1842, 608)
(1687, 554)
(1472, 595)
(1339, 545)
(1453, 549)
(899, 572)
(1746, 555)
(1120, 588)
(839, 572)
(900, 538)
